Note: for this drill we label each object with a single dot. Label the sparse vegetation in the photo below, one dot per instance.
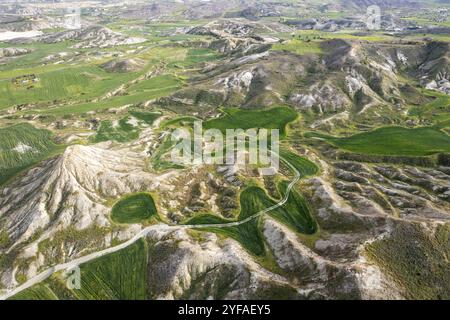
(121, 131)
(416, 261)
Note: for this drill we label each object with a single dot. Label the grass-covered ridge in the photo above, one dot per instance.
(135, 208)
(393, 141)
(23, 145)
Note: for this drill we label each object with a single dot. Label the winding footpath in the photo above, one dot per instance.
(142, 234)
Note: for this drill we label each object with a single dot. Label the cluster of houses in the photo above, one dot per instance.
(25, 80)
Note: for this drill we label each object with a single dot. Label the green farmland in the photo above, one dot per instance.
(121, 275)
(299, 47)
(114, 102)
(73, 83)
(37, 292)
(61, 89)
(273, 118)
(392, 141)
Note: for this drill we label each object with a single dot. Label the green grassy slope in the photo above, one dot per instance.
(134, 208)
(296, 213)
(23, 145)
(299, 47)
(118, 276)
(303, 165)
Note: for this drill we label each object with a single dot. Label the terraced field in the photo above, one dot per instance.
(135, 208)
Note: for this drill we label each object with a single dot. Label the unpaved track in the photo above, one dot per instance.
(143, 233)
